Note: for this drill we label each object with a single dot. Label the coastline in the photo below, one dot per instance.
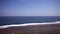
(52, 28)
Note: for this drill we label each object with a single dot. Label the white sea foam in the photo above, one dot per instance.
(27, 24)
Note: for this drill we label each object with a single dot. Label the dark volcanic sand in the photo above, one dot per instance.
(33, 29)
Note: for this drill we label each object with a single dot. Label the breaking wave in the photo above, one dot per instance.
(27, 24)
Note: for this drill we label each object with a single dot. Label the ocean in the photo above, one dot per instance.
(7, 20)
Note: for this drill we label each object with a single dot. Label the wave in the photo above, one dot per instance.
(28, 24)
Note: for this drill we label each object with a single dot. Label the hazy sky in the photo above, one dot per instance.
(29, 8)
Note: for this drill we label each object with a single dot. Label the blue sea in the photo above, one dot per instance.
(7, 20)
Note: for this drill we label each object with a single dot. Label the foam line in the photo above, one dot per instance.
(27, 24)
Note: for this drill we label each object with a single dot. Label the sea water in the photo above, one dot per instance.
(7, 20)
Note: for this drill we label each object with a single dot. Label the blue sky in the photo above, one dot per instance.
(29, 8)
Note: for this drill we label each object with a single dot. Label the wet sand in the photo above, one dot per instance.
(33, 29)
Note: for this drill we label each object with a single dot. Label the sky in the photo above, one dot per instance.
(29, 8)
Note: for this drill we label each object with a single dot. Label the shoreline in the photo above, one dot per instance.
(28, 24)
(45, 28)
